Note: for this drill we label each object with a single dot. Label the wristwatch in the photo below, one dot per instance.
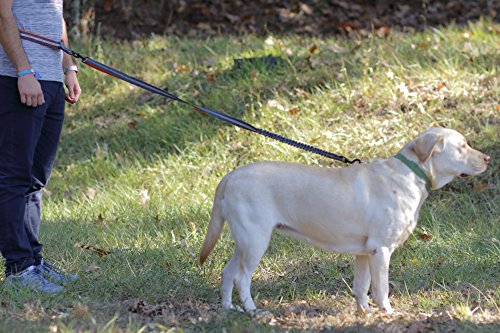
(71, 68)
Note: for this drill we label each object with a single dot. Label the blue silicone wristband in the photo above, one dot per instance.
(29, 71)
(25, 72)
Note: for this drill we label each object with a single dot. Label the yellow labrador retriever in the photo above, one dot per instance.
(366, 210)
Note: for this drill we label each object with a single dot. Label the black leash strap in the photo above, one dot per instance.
(29, 36)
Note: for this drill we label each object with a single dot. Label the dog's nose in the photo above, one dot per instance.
(487, 159)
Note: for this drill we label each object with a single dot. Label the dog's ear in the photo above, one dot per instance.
(426, 144)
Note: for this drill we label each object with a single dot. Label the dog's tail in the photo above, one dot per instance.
(216, 222)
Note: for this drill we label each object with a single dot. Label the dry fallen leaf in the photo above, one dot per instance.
(270, 41)
(100, 252)
(384, 32)
(90, 193)
(210, 77)
(204, 26)
(181, 68)
(481, 187)
(99, 218)
(337, 49)
(101, 122)
(313, 48)
(293, 111)
(144, 308)
(254, 76)
(306, 8)
(301, 93)
(132, 124)
(200, 112)
(272, 103)
(108, 5)
(441, 85)
(424, 236)
(232, 18)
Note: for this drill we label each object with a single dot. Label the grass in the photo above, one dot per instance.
(135, 177)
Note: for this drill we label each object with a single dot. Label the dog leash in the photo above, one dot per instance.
(48, 42)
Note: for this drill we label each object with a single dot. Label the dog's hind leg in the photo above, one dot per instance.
(228, 278)
(362, 279)
(252, 247)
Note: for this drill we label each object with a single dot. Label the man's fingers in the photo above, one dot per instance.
(30, 91)
(28, 101)
(71, 93)
(69, 100)
(40, 100)
(77, 93)
(34, 101)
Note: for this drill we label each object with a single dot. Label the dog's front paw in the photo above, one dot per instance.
(232, 307)
(237, 308)
(363, 309)
(260, 314)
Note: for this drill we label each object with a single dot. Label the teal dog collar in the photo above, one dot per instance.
(416, 169)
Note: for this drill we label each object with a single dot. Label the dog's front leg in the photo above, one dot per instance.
(379, 258)
(361, 282)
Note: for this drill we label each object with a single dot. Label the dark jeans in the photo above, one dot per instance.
(28, 144)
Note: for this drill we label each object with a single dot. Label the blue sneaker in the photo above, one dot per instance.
(29, 278)
(54, 274)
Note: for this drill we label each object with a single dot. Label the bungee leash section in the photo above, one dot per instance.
(41, 40)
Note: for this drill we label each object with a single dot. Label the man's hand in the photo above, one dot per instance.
(74, 91)
(30, 90)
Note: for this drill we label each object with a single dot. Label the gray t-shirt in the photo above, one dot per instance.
(42, 17)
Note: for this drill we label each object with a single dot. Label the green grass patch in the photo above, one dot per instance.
(136, 174)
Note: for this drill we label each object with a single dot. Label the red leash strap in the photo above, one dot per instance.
(32, 37)
(29, 36)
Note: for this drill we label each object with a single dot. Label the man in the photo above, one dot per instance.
(31, 116)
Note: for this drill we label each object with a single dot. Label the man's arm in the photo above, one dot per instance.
(67, 59)
(30, 90)
(70, 78)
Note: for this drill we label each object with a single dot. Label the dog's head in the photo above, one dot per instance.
(444, 155)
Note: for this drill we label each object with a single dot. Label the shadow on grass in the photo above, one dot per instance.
(178, 126)
(162, 283)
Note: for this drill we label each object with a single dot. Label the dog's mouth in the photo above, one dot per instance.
(464, 175)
